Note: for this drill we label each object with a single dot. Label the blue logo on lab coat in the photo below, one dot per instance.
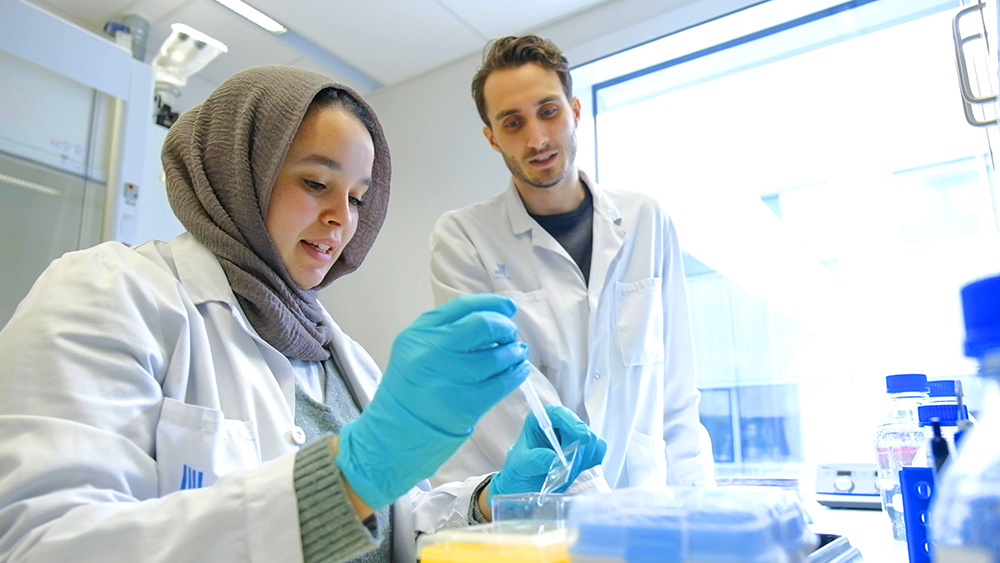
(192, 478)
(501, 272)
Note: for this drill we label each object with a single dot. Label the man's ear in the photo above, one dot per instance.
(575, 105)
(488, 133)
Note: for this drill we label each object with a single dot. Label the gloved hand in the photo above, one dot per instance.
(529, 459)
(445, 371)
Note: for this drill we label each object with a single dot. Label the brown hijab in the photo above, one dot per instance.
(221, 161)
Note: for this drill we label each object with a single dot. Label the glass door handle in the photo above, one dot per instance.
(965, 85)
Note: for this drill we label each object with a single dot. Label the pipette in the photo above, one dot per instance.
(543, 418)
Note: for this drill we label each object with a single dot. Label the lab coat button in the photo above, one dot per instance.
(296, 436)
(597, 376)
(455, 524)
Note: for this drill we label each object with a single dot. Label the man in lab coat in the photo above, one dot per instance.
(597, 277)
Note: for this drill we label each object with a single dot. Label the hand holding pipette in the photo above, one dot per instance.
(542, 417)
(530, 459)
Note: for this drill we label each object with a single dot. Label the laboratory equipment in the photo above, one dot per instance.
(698, 525)
(497, 542)
(897, 441)
(848, 485)
(558, 472)
(544, 511)
(917, 486)
(950, 392)
(947, 418)
(965, 512)
(535, 404)
(835, 549)
(945, 392)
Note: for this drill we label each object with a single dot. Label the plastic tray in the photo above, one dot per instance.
(724, 525)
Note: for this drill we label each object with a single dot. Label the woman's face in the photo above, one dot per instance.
(313, 212)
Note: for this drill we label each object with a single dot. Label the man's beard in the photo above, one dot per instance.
(519, 172)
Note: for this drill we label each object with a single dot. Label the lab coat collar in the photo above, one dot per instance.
(521, 221)
(602, 203)
(199, 271)
(202, 276)
(204, 280)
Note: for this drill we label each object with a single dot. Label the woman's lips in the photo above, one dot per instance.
(320, 251)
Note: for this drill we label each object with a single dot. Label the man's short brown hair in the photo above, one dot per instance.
(515, 51)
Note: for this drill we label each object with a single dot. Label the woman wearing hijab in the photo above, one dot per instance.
(191, 400)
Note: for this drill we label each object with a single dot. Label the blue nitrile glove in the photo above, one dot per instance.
(529, 459)
(445, 371)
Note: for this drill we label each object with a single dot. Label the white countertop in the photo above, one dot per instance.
(868, 530)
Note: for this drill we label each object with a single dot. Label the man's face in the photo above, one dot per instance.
(532, 125)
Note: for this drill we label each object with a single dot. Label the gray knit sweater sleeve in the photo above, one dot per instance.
(330, 529)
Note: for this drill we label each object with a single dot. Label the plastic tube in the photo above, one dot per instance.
(543, 418)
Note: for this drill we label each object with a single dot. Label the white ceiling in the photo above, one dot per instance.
(367, 44)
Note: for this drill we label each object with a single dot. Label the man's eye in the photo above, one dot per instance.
(513, 124)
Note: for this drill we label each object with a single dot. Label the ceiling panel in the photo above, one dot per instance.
(90, 15)
(154, 10)
(497, 18)
(247, 43)
(390, 40)
(309, 64)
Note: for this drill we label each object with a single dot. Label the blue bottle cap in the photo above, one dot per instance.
(949, 415)
(906, 383)
(981, 307)
(945, 388)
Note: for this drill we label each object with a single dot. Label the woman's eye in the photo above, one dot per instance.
(356, 201)
(314, 185)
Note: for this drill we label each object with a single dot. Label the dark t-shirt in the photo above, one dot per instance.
(575, 231)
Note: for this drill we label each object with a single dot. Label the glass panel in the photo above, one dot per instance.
(53, 171)
(770, 424)
(717, 416)
(831, 198)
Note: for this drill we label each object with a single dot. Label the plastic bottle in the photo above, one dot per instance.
(947, 417)
(898, 440)
(139, 27)
(945, 392)
(964, 520)
(949, 392)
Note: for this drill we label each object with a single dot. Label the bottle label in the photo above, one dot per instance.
(964, 554)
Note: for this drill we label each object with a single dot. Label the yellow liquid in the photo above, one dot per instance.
(491, 552)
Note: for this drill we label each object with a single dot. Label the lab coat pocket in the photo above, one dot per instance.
(646, 461)
(195, 446)
(640, 320)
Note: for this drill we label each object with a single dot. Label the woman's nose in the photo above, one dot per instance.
(336, 210)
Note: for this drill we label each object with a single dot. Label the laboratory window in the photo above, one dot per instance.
(830, 199)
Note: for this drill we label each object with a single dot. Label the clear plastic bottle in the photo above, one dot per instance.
(945, 392)
(948, 417)
(949, 392)
(898, 440)
(964, 520)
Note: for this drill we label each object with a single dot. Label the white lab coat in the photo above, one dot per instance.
(123, 366)
(619, 353)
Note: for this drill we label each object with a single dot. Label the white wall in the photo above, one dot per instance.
(441, 161)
